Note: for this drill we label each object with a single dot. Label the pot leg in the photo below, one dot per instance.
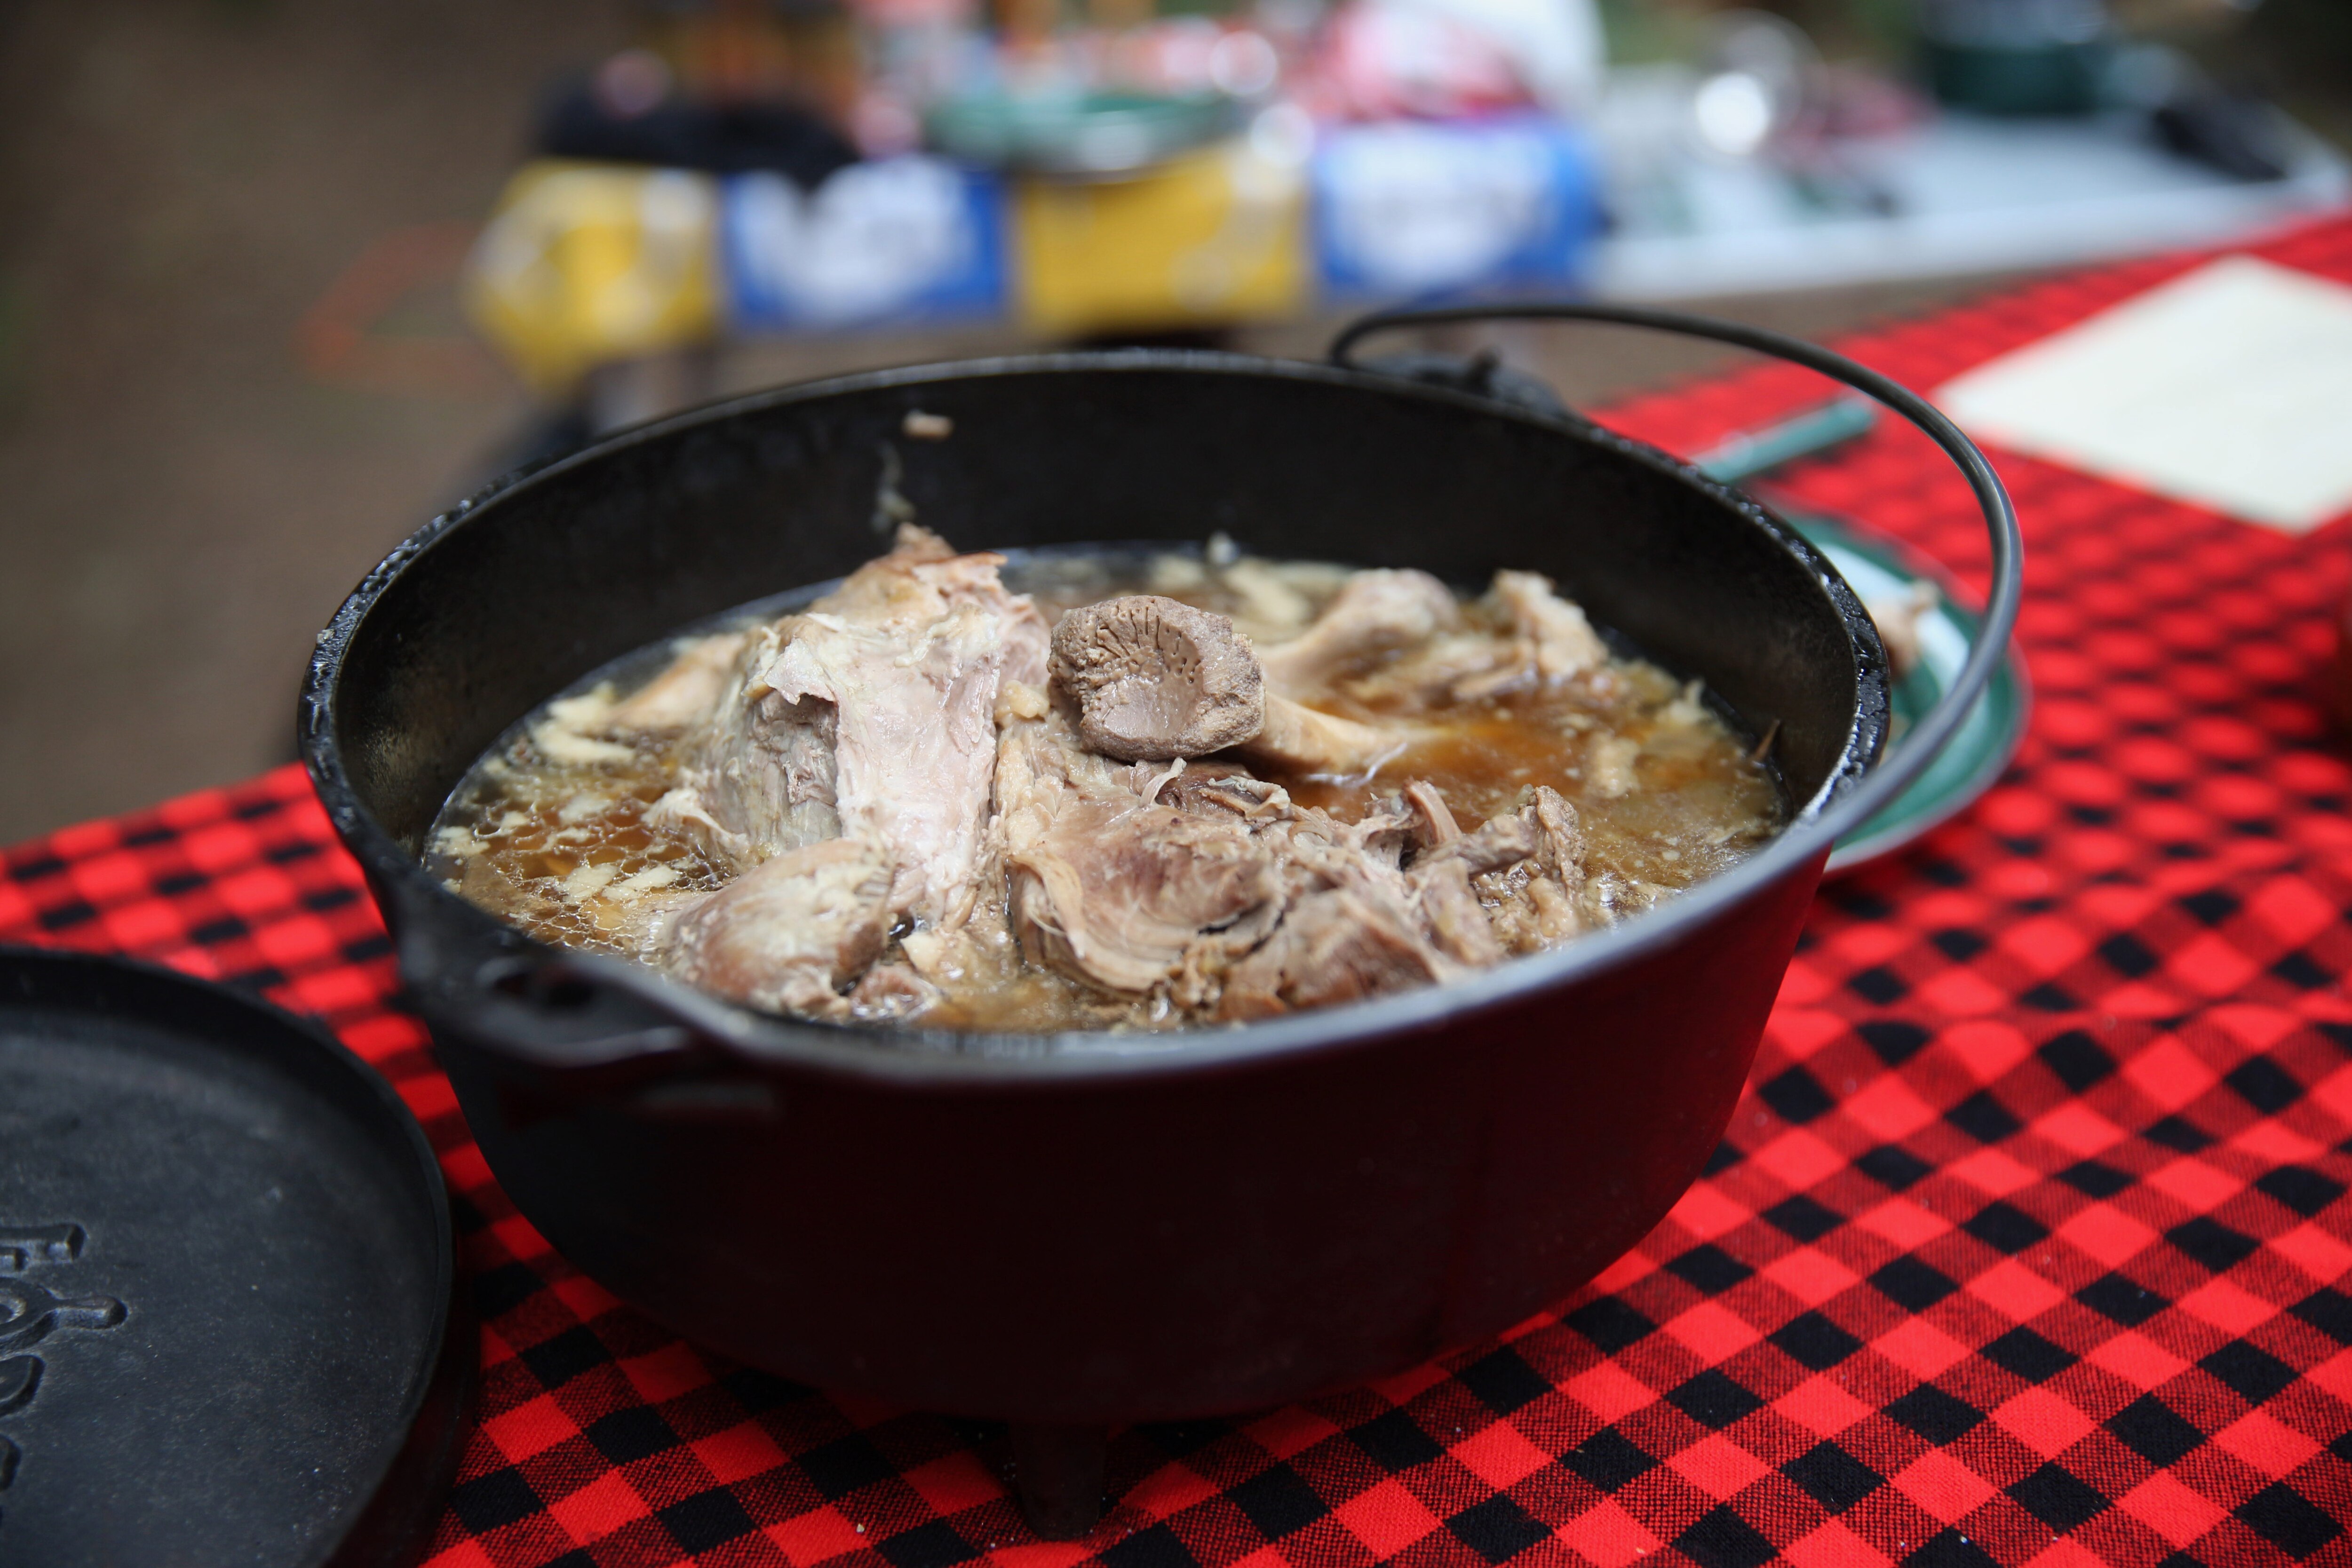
(1058, 1472)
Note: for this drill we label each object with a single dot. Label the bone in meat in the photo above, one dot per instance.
(1154, 678)
(1296, 736)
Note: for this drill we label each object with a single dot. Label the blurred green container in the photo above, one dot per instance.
(1077, 133)
(2054, 79)
(2015, 57)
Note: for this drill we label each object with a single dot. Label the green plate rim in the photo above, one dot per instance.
(1932, 801)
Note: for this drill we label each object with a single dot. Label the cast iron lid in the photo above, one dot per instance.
(225, 1283)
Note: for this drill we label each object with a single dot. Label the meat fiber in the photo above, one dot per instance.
(1334, 946)
(1111, 888)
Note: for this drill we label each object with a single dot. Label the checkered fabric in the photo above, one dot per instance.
(2029, 1244)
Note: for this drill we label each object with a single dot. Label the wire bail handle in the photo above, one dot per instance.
(1934, 729)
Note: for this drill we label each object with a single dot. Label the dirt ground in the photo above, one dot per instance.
(181, 505)
(188, 483)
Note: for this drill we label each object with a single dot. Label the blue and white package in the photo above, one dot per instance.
(899, 240)
(1405, 209)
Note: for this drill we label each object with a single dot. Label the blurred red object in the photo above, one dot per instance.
(1385, 63)
(2337, 694)
(1184, 55)
(338, 342)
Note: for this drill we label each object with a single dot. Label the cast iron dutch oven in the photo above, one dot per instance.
(1084, 1230)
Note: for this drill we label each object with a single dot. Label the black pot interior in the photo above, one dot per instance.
(513, 598)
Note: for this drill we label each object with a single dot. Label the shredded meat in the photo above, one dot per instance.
(1111, 888)
(1458, 923)
(912, 785)
(1334, 946)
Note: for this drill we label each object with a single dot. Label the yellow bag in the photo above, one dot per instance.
(1216, 237)
(584, 264)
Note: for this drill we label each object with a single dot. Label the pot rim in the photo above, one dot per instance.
(978, 1060)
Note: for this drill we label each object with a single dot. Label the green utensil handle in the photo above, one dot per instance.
(1743, 456)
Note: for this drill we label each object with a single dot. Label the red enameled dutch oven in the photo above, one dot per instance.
(1078, 1231)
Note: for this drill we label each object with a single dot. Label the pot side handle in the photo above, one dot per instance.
(588, 1020)
(1936, 728)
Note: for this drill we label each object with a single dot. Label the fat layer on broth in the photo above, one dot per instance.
(572, 827)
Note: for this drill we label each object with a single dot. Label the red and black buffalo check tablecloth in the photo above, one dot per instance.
(2030, 1243)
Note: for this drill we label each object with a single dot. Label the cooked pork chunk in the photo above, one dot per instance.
(1384, 640)
(686, 693)
(1120, 895)
(794, 931)
(1333, 947)
(1375, 613)
(1499, 841)
(872, 715)
(1170, 882)
(1333, 873)
(1526, 870)
(1560, 641)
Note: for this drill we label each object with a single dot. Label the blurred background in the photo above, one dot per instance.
(283, 278)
